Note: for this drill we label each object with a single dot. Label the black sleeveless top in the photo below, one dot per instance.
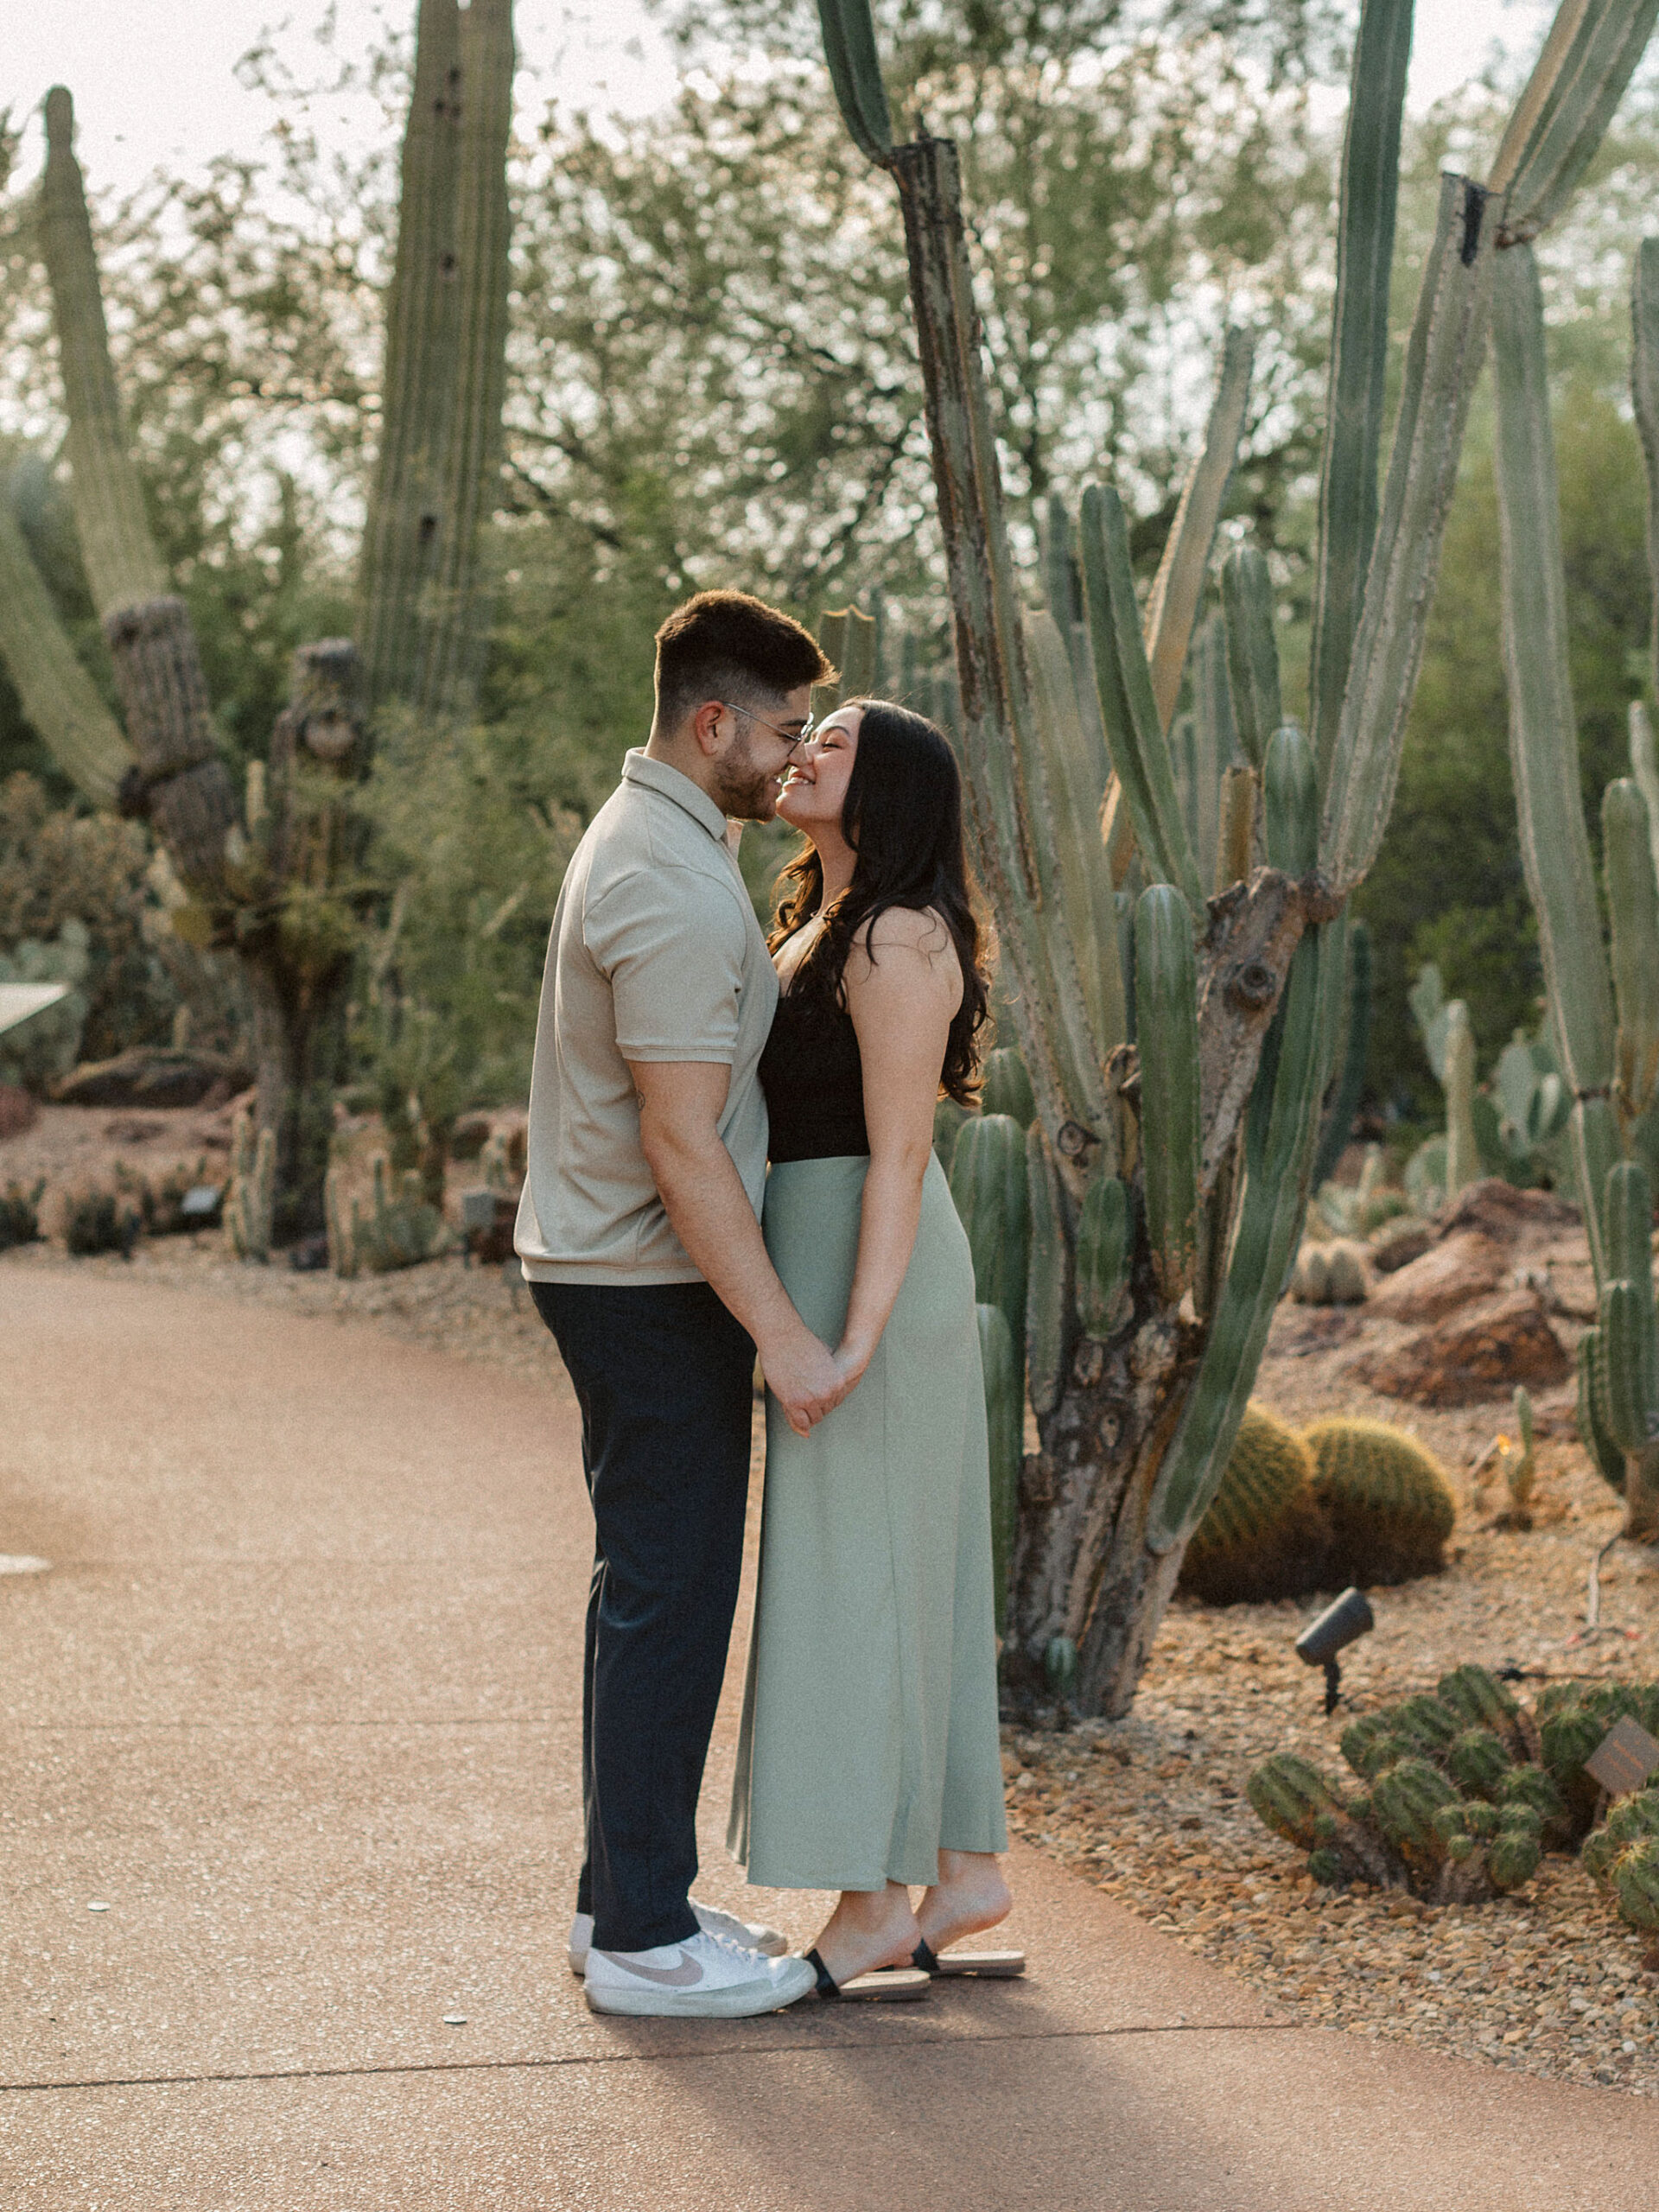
(813, 1077)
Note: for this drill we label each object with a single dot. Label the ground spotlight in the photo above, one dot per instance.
(1336, 1627)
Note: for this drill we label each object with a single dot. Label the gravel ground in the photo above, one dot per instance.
(1153, 1808)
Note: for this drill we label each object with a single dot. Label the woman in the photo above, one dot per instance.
(869, 1760)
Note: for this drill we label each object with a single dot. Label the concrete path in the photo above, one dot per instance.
(297, 1705)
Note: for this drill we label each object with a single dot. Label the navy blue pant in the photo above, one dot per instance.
(662, 1375)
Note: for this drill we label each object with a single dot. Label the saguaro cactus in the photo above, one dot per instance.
(1169, 1171)
(280, 879)
(1606, 1017)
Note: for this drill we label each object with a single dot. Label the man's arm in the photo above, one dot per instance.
(680, 1105)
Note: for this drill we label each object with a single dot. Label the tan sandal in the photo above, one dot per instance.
(986, 1965)
(889, 1985)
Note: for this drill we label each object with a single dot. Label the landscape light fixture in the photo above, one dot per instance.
(1336, 1627)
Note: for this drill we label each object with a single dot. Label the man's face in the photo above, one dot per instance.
(757, 746)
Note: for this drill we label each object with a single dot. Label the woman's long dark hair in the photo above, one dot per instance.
(902, 816)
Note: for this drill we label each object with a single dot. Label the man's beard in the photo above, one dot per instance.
(740, 789)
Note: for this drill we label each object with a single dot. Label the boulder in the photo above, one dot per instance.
(1399, 1243)
(18, 1110)
(1478, 1353)
(1452, 1273)
(153, 1075)
(1497, 1209)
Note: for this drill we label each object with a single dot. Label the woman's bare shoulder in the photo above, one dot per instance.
(914, 929)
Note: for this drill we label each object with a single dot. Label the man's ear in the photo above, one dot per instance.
(705, 728)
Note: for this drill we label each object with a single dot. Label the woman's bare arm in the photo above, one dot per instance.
(901, 992)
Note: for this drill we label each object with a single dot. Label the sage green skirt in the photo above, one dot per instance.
(869, 1738)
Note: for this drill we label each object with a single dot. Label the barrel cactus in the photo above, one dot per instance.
(1389, 1506)
(1264, 1537)
(1629, 1819)
(1293, 1798)
(1634, 1880)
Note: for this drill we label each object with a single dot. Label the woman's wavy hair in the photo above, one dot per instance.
(902, 816)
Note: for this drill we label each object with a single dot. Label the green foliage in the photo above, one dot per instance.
(1264, 1537)
(96, 1219)
(400, 1229)
(1388, 1504)
(20, 1215)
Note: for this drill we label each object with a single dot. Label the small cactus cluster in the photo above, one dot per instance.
(251, 1199)
(398, 1230)
(100, 1220)
(1330, 1274)
(1345, 1502)
(1456, 1809)
(1466, 1788)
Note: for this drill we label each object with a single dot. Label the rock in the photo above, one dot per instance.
(152, 1075)
(1481, 1352)
(1498, 1210)
(18, 1110)
(1399, 1243)
(1450, 1275)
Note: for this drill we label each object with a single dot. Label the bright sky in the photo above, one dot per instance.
(154, 81)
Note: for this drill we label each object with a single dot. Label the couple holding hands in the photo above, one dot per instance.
(676, 1052)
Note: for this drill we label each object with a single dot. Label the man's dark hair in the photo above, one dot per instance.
(723, 644)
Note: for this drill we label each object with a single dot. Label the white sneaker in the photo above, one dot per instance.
(753, 1935)
(704, 1978)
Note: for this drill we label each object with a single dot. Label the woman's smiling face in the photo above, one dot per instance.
(816, 793)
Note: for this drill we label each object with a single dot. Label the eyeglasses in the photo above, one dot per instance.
(790, 737)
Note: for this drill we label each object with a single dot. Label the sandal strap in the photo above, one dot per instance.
(926, 1957)
(828, 1986)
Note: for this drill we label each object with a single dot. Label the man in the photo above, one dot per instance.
(639, 1234)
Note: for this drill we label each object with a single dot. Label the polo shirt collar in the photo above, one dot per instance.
(638, 767)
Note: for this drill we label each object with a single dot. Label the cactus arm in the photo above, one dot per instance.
(1543, 730)
(1644, 768)
(1084, 875)
(59, 701)
(856, 72)
(1462, 1152)
(1339, 1119)
(1167, 1028)
(1279, 1133)
(1633, 906)
(472, 469)
(1252, 649)
(1589, 56)
(1129, 709)
(1105, 1250)
(1235, 847)
(1049, 1323)
(1177, 588)
(122, 566)
(1447, 341)
(1217, 740)
(1291, 803)
(848, 636)
(152, 645)
(1358, 371)
(1645, 392)
(399, 543)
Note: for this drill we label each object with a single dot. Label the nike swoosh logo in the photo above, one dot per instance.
(679, 1977)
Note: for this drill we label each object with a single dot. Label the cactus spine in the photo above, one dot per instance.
(1607, 1021)
(1132, 1452)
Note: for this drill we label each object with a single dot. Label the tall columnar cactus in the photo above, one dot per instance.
(282, 881)
(422, 610)
(1177, 1159)
(1605, 1015)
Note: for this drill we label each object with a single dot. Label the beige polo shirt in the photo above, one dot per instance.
(655, 955)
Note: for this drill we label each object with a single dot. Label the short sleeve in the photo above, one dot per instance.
(670, 943)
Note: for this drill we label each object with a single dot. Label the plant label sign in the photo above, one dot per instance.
(1623, 1759)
